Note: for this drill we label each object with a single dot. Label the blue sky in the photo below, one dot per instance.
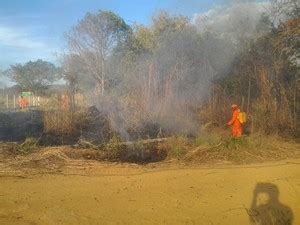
(32, 29)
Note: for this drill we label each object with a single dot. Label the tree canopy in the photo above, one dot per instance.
(34, 75)
(94, 39)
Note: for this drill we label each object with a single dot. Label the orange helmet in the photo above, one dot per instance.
(234, 106)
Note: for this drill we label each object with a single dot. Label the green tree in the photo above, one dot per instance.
(33, 76)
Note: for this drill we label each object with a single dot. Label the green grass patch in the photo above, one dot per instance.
(28, 146)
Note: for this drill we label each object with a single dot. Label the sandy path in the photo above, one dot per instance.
(178, 196)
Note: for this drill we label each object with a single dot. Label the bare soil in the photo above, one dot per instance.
(60, 186)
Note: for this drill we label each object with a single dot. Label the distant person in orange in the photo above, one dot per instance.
(65, 102)
(234, 122)
(23, 102)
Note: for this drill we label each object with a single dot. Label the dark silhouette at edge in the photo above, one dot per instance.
(272, 212)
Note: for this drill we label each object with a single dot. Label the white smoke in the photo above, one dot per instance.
(234, 21)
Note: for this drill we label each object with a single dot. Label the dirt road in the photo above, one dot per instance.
(120, 194)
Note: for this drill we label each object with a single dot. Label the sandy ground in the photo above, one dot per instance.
(106, 193)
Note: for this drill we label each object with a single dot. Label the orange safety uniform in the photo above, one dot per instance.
(23, 102)
(236, 125)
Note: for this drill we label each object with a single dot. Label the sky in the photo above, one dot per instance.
(33, 29)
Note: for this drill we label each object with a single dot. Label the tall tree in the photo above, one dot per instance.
(71, 72)
(1, 75)
(94, 39)
(33, 76)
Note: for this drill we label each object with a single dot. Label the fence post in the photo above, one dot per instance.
(14, 101)
(7, 101)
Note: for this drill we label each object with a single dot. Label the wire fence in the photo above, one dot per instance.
(11, 102)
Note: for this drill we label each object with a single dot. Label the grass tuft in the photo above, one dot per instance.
(28, 146)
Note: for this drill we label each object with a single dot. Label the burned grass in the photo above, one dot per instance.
(140, 152)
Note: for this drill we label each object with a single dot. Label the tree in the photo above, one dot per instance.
(146, 39)
(169, 70)
(285, 9)
(288, 40)
(33, 76)
(1, 75)
(71, 72)
(164, 24)
(94, 39)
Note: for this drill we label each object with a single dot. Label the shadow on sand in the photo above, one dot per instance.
(266, 209)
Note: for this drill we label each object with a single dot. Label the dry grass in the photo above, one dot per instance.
(177, 146)
(13, 148)
(208, 147)
(247, 149)
(63, 122)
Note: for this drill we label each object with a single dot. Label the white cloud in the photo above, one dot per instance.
(20, 44)
(18, 38)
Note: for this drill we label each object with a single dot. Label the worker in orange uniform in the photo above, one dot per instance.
(234, 122)
(23, 102)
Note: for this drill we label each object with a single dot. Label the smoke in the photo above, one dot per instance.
(161, 90)
(236, 21)
(165, 88)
